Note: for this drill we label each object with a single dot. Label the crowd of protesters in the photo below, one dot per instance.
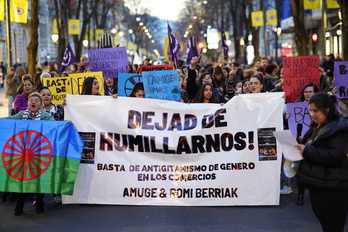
(215, 82)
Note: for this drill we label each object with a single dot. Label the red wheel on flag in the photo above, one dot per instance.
(27, 155)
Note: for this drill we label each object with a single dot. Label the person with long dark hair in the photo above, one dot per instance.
(205, 94)
(90, 86)
(324, 168)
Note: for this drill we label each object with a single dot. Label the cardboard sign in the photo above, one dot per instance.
(59, 87)
(126, 82)
(341, 79)
(162, 85)
(78, 78)
(299, 71)
(299, 119)
(147, 68)
(110, 61)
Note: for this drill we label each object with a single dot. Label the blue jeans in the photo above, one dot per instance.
(10, 104)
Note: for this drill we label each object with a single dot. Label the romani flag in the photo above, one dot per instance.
(311, 4)
(19, 11)
(39, 156)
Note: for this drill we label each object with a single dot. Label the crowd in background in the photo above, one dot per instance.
(215, 82)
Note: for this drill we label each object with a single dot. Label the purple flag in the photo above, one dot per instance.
(174, 46)
(223, 41)
(68, 58)
(189, 54)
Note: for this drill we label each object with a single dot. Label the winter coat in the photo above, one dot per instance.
(325, 163)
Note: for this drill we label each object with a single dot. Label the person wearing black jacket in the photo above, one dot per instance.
(324, 169)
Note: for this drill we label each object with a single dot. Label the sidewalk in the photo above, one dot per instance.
(3, 103)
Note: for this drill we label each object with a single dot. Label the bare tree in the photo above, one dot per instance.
(255, 32)
(344, 12)
(34, 35)
(301, 35)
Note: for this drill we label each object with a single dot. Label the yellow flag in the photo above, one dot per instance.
(332, 4)
(165, 49)
(55, 26)
(272, 18)
(117, 39)
(99, 33)
(74, 27)
(2, 10)
(311, 4)
(19, 11)
(257, 18)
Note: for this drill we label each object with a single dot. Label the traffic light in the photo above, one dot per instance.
(314, 37)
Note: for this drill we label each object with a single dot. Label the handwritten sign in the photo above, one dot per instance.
(148, 68)
(59, 87)
(341, 79)
(78, 78)
(162, 85)
(299, 71)
(110, 61)
(299, 119)
(126, 82)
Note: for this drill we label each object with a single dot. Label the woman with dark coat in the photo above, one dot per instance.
(324, 169)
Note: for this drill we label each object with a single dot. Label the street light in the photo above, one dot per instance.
(55, 38)
(85, 43)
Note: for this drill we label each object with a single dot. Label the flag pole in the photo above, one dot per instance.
(8, 34)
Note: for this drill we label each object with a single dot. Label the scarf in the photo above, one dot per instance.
(28, 115)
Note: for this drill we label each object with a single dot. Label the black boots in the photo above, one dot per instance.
(20, 204)
(39, 203)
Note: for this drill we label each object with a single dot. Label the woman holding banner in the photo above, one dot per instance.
(90, 86)
(205, 94)
(256, 83)
(110, 86)
(192, 87)
(33, 112)
(324, 169)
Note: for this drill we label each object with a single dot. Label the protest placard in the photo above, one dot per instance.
(78, 78)
(110, 61)
(59, 87)
(299, 71)
(341, 79)
(299, 119)
(162, 85)
(126, 82)
(147, 68)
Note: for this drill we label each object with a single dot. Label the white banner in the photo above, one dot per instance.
(157, 152)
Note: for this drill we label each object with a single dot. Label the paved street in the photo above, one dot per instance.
(285, 217)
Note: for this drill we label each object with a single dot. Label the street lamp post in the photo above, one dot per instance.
(8, 34)
(324, 18)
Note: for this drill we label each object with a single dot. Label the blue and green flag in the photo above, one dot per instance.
(39, 156)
